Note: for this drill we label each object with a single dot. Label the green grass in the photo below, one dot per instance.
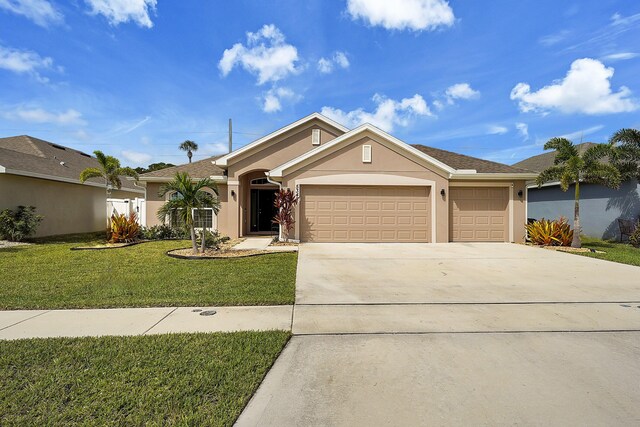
(616, 252)
(49, 275)
(179, 379)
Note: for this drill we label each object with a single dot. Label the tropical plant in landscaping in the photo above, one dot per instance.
(634, 239)
(163, 232)
(285, 203)
(186, 195)
(189, 146)
(626, 153)
(19, 224)
(124, 229)
(550, 232)
(110, 171)
(573, 168)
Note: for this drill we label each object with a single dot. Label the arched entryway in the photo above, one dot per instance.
(258, 210)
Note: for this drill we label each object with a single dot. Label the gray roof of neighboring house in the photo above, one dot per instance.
(461, 161)
(35, 156)
(543, 161)
(199, 169)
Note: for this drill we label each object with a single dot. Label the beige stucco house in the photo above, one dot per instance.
(34, 172)
(359, 185)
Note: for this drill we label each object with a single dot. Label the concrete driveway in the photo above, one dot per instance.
(456, 334)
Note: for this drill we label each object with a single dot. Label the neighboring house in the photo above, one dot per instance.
(600, 207)
(359, 185)
(38, 173)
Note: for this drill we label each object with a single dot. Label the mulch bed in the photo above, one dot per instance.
(187, 253)
(8, 244)
(566, 249)
(108, 246)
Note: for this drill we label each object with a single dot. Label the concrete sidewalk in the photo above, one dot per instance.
(140, 321)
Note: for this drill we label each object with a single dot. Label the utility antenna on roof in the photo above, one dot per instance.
(230, 137)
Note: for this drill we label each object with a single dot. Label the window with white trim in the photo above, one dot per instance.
(315, 137)
(366, 154)
(203, 218)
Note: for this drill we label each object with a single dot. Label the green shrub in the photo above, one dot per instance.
(213, 239)
(550, 232)
(634, 239)
(20, 224)
(163, 232)
(124, 229)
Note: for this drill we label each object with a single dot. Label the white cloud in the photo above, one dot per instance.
(582, 132)
(39, 115)
(523, 130)
(121, 11)
(552, 39)
(40, 12)
(497, 130)
(460, 91)
(25, 62)
(136, 157)
(620, 56)
(388, 113)
(266, 55)
(272, 100)
(327, 65)
(416, 15)
(585, 89)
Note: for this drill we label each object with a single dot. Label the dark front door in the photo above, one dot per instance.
(262, 209)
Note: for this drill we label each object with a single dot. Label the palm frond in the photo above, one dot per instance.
(563, 147)
(553, 173)
(627, 137)
(603, 174)
(89, 173)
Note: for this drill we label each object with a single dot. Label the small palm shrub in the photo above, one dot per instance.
(124, 229)
(550, 232)
(19, 224)
(213, 239)
(634, 239)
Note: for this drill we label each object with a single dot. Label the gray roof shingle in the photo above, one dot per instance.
(543, 161)
(32, 155)
(461, 161)
(199, 169)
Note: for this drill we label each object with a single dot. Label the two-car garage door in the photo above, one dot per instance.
(365, 214)
(400, 214)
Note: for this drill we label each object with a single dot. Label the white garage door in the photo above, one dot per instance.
(365, 214)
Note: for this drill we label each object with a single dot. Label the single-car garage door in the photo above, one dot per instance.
(364, 214)
(479, 214)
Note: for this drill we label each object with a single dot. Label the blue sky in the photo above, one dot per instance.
(492, 79)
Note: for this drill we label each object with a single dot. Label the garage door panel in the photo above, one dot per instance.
(384, 214)
(479, 214)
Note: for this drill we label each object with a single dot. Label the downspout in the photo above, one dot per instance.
(279, 184)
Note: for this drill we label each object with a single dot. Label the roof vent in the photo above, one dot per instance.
(61, 163)
(59, 147)
(315, 137)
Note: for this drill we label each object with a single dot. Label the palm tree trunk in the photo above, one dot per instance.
(576, 243)
(189, 155)
(204, 239)
(193, 239)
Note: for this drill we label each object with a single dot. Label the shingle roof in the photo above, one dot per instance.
(543, 161)
(199, 169)
(32, 155)
(461, 161)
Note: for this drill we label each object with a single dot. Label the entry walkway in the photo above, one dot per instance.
(141, 321)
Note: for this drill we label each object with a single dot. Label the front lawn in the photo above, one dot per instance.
(184, 379)
(617, 252)
(49, 275)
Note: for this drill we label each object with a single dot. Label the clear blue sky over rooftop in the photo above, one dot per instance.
(492, 79)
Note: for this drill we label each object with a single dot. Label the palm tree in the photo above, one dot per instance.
(626, 152)
(110, 171)
(572, 168)
(189, 195)
(189, 146)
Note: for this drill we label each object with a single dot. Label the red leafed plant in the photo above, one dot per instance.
(285, 203)
(124, 229)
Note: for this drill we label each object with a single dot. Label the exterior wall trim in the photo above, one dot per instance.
(224, 160)
(62, 179)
